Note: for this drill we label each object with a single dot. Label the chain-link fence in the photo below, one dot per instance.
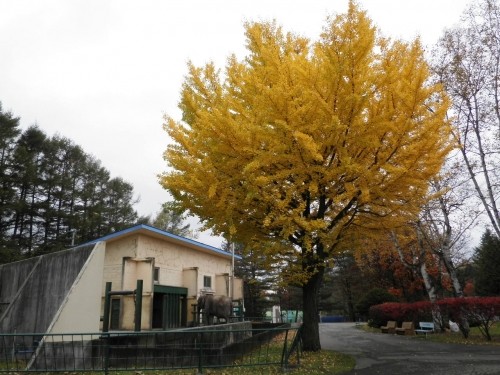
(224, 345)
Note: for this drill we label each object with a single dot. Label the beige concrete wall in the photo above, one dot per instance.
(113, 262)
(238, 289)
(137, 269)
(135, 257)
(80, 310)
(191, 310)
(190, 280)
(173, 259)
(222, 286)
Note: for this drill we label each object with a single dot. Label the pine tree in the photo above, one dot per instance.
(258, 279)
(53, 193)
(487, 265)
(173, 220)
(9, 131)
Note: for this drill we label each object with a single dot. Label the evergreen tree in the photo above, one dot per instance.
(53, 195)
(91, 202)
(351, 282)
(257, 280)
(172, 219)
(487, 261)
(60, 184)
(118, 212)
(9, 131)
(373, 297)
(28, 156)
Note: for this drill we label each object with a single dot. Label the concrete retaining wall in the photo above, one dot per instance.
(168, 349)
(32, 291)
(12, 278)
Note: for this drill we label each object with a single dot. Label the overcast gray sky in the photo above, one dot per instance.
(103, 73)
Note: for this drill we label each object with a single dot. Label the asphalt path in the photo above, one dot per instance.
(378, 353)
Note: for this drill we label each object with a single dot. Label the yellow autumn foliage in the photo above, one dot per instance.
(308, 141)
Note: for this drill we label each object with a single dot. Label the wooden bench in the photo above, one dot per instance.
(390, 327)
(406, 329)
(425, 328)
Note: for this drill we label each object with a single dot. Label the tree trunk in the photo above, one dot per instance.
(431, 292)
(310, 328)
(429, 285)
(444, 252)
(452, 272)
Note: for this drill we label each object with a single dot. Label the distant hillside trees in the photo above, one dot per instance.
(53, 194)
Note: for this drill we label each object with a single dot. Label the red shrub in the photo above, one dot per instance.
(478, 311)
(400, 312)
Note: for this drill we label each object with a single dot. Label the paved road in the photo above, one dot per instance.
(392, 354)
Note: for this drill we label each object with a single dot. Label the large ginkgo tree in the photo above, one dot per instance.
(308, 143)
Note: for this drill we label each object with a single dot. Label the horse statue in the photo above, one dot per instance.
(215, 306)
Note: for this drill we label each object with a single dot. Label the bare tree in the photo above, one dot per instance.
(438, 236)
(468, 65)
(446, 220)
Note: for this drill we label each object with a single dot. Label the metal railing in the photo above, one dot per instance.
(197, 348)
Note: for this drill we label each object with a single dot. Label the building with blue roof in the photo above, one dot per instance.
(70, 286)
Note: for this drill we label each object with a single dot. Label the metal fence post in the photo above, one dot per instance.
(284, 354)
(200, 354)
(107, 351)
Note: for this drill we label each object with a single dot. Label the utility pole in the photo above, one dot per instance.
(232, 270)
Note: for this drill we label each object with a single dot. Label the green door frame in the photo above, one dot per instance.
(174, 298)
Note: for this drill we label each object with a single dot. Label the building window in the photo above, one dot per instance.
(156, 275)
(207, 282)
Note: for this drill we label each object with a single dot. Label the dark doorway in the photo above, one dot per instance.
(169, 307)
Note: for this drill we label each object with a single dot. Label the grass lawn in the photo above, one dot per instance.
(317, 363)
(324, 362)
(475, 336)
(311, 363)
